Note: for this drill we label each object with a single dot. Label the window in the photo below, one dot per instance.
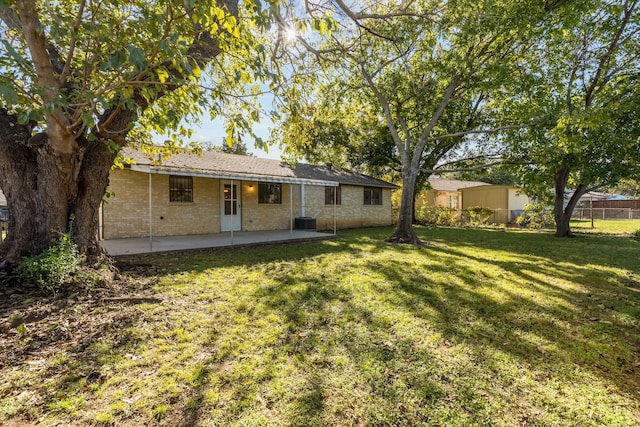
(372, 196)
(180, 189)
(230, 199)
(330, 193)
(452, 202)
(269, 193)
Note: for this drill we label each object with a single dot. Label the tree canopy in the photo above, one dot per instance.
(428, 71)
(81, 79)
(584, 96)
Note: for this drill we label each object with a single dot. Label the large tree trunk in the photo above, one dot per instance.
(18, 178)
(92, 185)
(49, 193)
(404, 232)
(54, 181)
(562, 213)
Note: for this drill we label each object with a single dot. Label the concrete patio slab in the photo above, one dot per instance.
(142, 245)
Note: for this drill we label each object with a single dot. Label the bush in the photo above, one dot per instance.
(437, 215)
(54, 268)
(637, 234)
(477, 216)
(535, 217)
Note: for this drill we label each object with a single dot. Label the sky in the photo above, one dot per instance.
(213, 131)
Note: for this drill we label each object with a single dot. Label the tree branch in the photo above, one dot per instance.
(381, 16)
(467, 169)
(628, 12)
(37, 44)
(356, 19)
(423, 140)
(114, 123)
(477, 131)
(72, 47)
(402, 150)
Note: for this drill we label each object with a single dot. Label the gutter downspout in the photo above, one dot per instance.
(335, 202)
(233, 202)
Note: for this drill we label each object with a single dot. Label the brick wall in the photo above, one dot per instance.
(262, 216)
(126, 213)
(352, 212)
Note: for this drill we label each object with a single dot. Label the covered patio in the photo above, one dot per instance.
(142, 245)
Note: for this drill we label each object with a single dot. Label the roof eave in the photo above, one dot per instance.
(164, 170)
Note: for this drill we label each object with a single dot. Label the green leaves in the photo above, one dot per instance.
(13, 54)
(137, 58)
(8, 94)
(324, 25)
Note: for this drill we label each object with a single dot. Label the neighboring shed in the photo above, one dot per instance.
(444, 193)
(217, 192)
(505, 200)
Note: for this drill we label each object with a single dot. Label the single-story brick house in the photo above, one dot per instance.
(217, 192)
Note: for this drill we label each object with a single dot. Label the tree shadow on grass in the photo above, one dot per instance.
(344, 354)
(574, 331)
(330, 332)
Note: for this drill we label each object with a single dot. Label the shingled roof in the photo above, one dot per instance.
(452, 185)
(232, 166)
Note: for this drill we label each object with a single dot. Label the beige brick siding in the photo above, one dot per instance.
(262, 216)
(126, 213)
(352, 212)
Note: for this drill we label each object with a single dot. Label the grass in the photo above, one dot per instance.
(481, 327)
(606, 226)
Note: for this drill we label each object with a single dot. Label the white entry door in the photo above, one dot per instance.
(230, 212)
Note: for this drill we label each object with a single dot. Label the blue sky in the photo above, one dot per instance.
(213, 131)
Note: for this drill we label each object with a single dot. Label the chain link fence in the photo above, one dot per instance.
(606, 213)
(483, 216)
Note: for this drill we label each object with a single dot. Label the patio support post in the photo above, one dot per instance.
(150, 216)
(291, 208)
(232, 201)
(335, 202)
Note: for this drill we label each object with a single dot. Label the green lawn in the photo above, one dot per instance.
(481, 327)
(606, 226)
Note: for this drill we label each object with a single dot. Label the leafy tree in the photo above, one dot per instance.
(585, 96)
(236, 147)
(426, 70)
(81, 79)
(331, 134)
(629, 187)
